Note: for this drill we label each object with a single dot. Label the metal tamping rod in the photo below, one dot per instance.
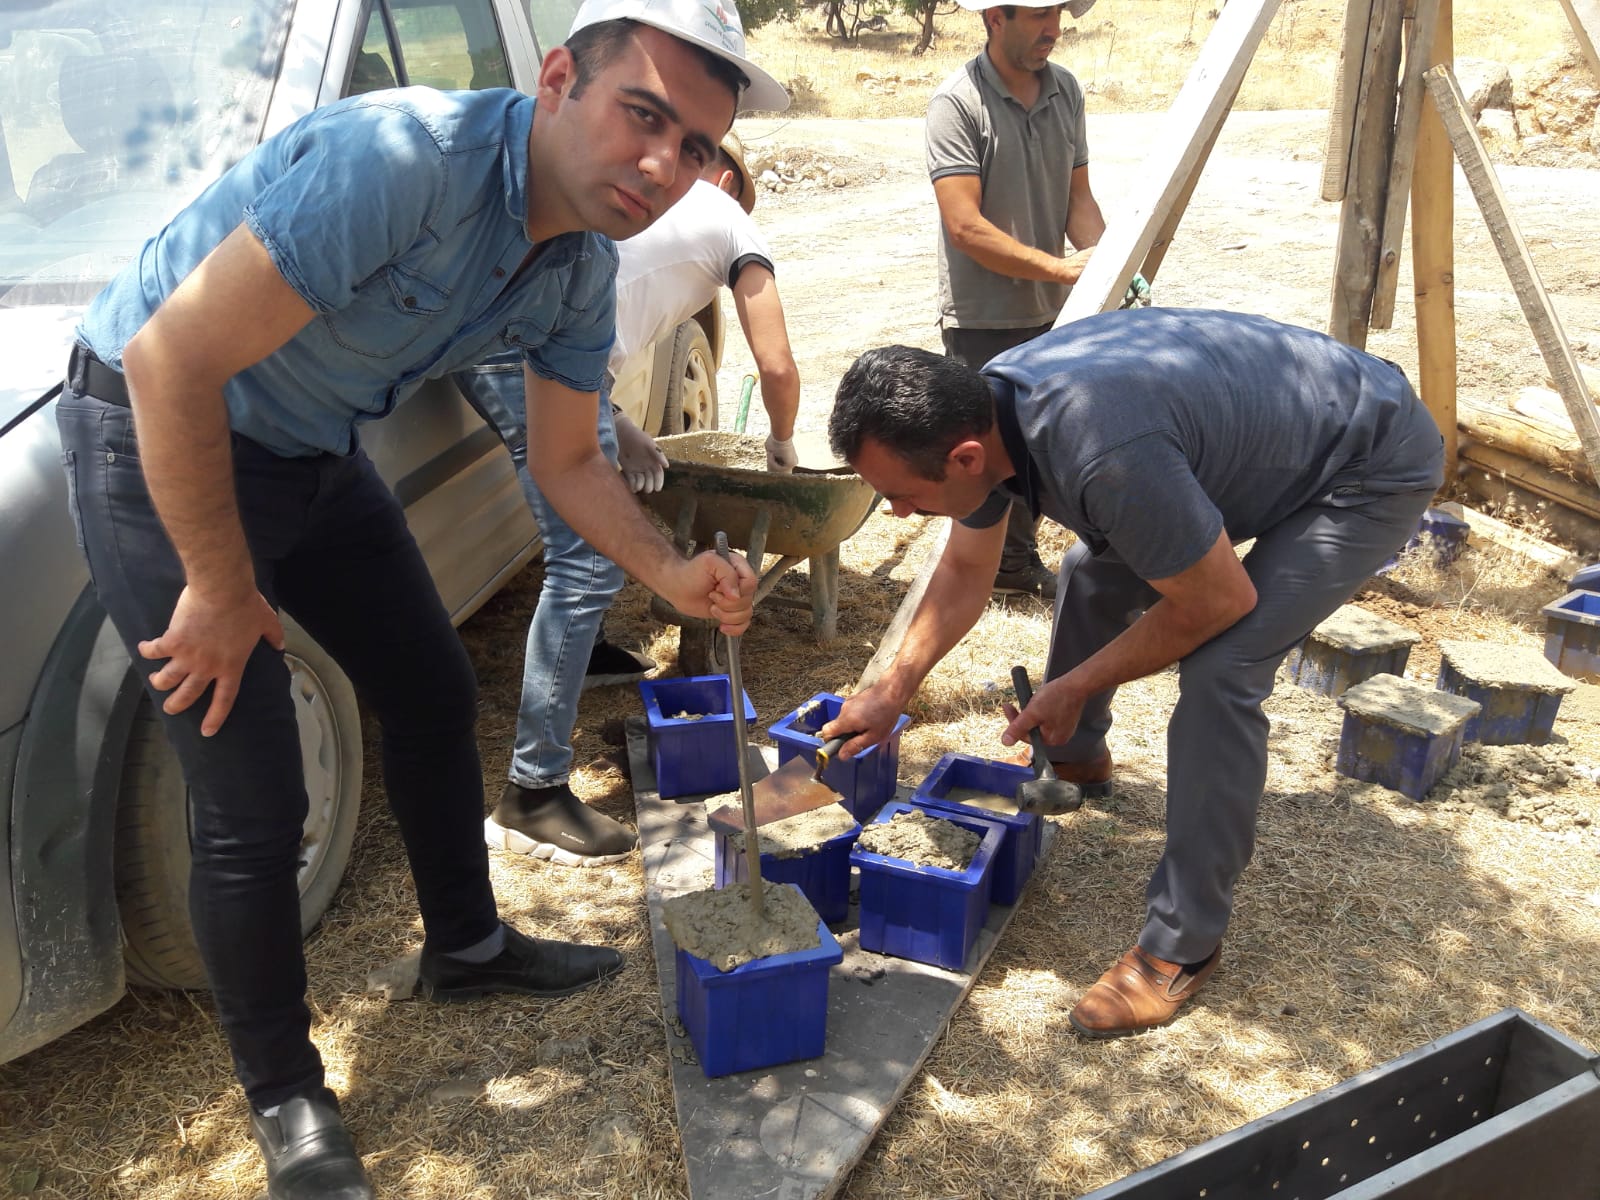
(752, 841)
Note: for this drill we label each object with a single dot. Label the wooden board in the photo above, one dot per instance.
(1584, 17)
(1355, 275)
(792, 1132)
(1433, 265)
(1190, 130)
(1514, 253)
(1346, 87)
(1419, 47)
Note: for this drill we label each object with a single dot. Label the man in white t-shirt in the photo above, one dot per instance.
(664, 276)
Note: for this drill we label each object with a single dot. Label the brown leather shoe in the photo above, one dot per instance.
(1139, 992)
(1092, 777)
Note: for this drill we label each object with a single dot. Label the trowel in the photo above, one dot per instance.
(1043, 794)
(794, 788)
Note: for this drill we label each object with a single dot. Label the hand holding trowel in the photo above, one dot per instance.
(794, 788)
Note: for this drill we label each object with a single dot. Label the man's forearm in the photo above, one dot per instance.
(186, 454)
(997, 251)
(592, 498)
(780, 396)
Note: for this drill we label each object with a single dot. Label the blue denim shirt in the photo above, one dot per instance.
(400, 218)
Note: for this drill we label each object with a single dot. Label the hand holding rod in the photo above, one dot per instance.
(752, 840)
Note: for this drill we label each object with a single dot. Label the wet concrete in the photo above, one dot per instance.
(1490, 664)
(978, 798)
(927, 841)
(1401, 704)
(718, 925)
(1358, 631)
(792, 836)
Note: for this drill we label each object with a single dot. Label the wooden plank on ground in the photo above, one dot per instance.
(895, 635)
(1433, 263)
(1402, 161)
(1346, 87)
(792, 1132)
(1584, 17)
(1530, 435)
(1190, 127)
(1484, 528)
(1525, 281)
(1355, 275)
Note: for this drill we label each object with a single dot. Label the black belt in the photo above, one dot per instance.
(91, 377)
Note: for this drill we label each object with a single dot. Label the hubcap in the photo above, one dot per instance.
(320, 752)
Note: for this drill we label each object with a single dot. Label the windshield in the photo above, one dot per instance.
(113, 115)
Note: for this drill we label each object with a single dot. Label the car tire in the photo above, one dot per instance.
(691, 397)
(152, 837)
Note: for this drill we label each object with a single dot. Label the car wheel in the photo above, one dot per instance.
(691, 400)
(152, 840)
(702, 649)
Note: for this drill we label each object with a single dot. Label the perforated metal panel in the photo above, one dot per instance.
(1501, 1110)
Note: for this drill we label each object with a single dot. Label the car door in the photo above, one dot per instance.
(449, 470)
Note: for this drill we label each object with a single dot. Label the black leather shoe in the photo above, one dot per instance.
(527, 967)
(309, 1154)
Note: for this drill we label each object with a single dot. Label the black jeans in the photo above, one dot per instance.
(331, 547)
(976, 347)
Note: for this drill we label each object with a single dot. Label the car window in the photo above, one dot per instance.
(454, 45)
(551, 20)
(109, 125)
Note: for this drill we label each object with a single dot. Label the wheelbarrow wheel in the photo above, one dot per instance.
(690, 402)
(702, 650)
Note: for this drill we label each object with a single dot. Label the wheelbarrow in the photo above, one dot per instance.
(716, 480)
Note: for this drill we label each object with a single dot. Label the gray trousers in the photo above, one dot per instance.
(1303, 568)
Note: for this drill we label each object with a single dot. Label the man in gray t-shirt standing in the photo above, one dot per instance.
(1009, 161)
(1162, 438)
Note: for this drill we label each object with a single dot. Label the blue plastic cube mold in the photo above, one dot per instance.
(927, 914)
(770, 1011)
(1406, 759)
(1024, 832)
(866, 781)
(1572, 634)
(696, 756)
(823, 875)
(1510, 716)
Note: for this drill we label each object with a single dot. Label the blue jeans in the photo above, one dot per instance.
(579, 585)
(330, 546)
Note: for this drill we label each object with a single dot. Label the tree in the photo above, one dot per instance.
(755, 13)
(925, 11)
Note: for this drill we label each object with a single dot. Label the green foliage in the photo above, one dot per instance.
(756, 13)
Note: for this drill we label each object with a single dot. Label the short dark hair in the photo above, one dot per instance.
(595, 47)
(914, 402)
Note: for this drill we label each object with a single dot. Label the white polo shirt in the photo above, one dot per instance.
(673, 269)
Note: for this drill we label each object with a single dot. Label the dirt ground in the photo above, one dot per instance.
(1366, 926)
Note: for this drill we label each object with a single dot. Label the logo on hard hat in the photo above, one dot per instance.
(721, 15)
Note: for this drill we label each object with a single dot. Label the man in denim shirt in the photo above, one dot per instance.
(209, 428)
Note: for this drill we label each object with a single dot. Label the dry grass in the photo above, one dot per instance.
(1366, 926)
(1130, 56)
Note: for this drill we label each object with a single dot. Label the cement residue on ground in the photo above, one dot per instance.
(1390, 700)
(1541, 785)
(792, 836)
(927, 841)
(978, 798)
(1354, 628)
(1493, 665)
(718, 925)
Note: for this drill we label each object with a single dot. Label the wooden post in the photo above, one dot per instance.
(1356, 258)
(1584, 17)
(1401, 163)
(1433, 265)
(895, 635)
(1191, 126)
(1169, 227)
(1346, 87)
(1547, 331)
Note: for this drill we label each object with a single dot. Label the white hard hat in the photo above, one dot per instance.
(710, 24)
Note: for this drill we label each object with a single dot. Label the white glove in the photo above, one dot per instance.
(640, 460)
(781, 456)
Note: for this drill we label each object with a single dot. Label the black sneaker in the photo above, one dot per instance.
(553, 824)
(1034, 579)
(526, 967)
(610, 663)
(309, 1153)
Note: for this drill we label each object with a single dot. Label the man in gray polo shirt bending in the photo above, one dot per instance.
(1009, 162)
(1162, 437)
